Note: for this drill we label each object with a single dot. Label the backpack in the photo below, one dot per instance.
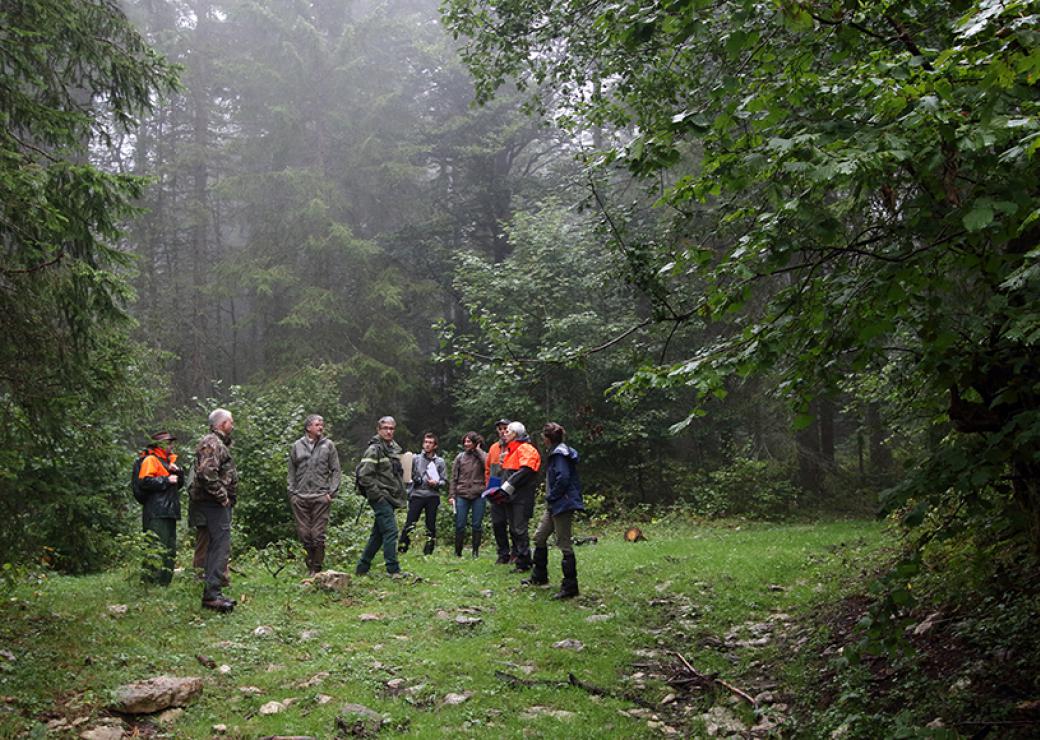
(135, 481)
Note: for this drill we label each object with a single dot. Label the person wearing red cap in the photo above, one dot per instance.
(157, 487)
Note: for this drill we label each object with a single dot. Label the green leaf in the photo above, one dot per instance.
(978, 218)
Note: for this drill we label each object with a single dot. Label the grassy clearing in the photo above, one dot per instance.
(684, 590)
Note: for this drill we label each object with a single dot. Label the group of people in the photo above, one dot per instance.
(505, 477)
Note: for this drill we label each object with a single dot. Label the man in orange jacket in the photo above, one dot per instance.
(519, 479)
(158, 486)
(493, 477)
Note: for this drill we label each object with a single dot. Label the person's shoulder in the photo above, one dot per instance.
(372, 449)
(564, 451)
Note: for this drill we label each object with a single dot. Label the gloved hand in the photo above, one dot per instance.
(496, 495)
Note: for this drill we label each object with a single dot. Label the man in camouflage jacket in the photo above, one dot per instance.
(213, 493)
(381, 477)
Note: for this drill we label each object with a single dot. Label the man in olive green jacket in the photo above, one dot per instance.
(314, 477)
(381, 476)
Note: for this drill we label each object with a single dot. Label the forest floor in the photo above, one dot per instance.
(696, 631)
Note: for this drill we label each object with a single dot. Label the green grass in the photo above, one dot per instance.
(674, 592)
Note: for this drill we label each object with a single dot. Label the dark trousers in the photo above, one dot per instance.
(218, 527)
(384, 534)
(500, 528)
(562, 525)
(518, 513)
(166, 531)
(312, 518)
(424, 505)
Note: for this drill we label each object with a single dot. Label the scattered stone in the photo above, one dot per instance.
(314, 680)
(775, 588)
(7, 655)
(569, 644)
(332, 580)
(206, 661)
(936, 724)
(156, 694)
(540, 711)
(766, 727)
(443, 614)
(263, 631)
(487, 593)
(117, 610)
(960, 685)
(927, 624)
(465, 621)
(369, 617)
(640, 713)
(251, 690)
(668, 699)
(273, 707)
(599, 618)
(219, 729)
(323, 698)
(308, 635)
(169, 716)
(224, 669)
(395, 684)
(358, 720)
(765, 697)
(274, 667)
(453, 699)
(721, 722)
(106, 731)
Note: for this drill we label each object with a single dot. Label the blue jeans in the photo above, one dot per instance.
(384, 534)
(463, 506)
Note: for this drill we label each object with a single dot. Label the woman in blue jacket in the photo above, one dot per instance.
(563, 498)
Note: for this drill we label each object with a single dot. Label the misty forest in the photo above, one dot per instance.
(773, 265)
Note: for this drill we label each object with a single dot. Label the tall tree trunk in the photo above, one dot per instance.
(825, 417)
(807, 443)
(880, 458)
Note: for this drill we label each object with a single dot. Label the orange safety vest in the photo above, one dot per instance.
(521, 455)
(493, 462)
(153, 465)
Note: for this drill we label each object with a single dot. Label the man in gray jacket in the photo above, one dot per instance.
(314, 477)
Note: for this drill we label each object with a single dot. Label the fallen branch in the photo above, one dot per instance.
(526, 682)
(573, 680)
(700, 677)
(597, 691)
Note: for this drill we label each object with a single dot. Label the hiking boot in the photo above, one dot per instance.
(502, 560)
(569, 585)
(222, 605)
(476, 543)
(460, 540)
(428, 547)
(532, 581)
